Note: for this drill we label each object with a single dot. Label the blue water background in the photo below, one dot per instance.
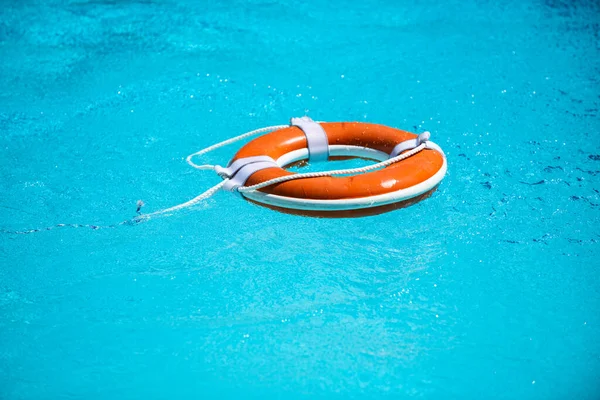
(489, 289)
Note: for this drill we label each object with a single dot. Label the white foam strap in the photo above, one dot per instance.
(410, 144)
(242, 174)
(316, 138)
(235, 166)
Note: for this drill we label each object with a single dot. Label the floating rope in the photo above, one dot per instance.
(242, 189)
(131, 221)
(253, 188)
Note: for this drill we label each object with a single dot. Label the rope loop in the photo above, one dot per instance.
(350, 171)
(188, 159)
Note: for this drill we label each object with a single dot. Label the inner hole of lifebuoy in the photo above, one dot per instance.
(334, 163)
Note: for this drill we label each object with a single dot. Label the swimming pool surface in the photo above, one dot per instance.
(488, 290)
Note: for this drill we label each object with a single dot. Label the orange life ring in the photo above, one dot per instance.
(396, 186)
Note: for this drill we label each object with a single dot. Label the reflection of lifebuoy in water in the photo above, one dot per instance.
(397, 185)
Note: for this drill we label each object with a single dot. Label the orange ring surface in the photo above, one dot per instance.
(401, 175)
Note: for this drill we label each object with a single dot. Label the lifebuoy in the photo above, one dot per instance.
(395, 186)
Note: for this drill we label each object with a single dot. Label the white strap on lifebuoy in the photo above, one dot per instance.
(239, 164)
(410, 144)
(316, 138)
(244, 168)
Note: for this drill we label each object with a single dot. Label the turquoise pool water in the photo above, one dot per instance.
(489, 289)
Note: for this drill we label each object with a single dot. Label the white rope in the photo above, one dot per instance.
(245, 189)
(225, 143)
